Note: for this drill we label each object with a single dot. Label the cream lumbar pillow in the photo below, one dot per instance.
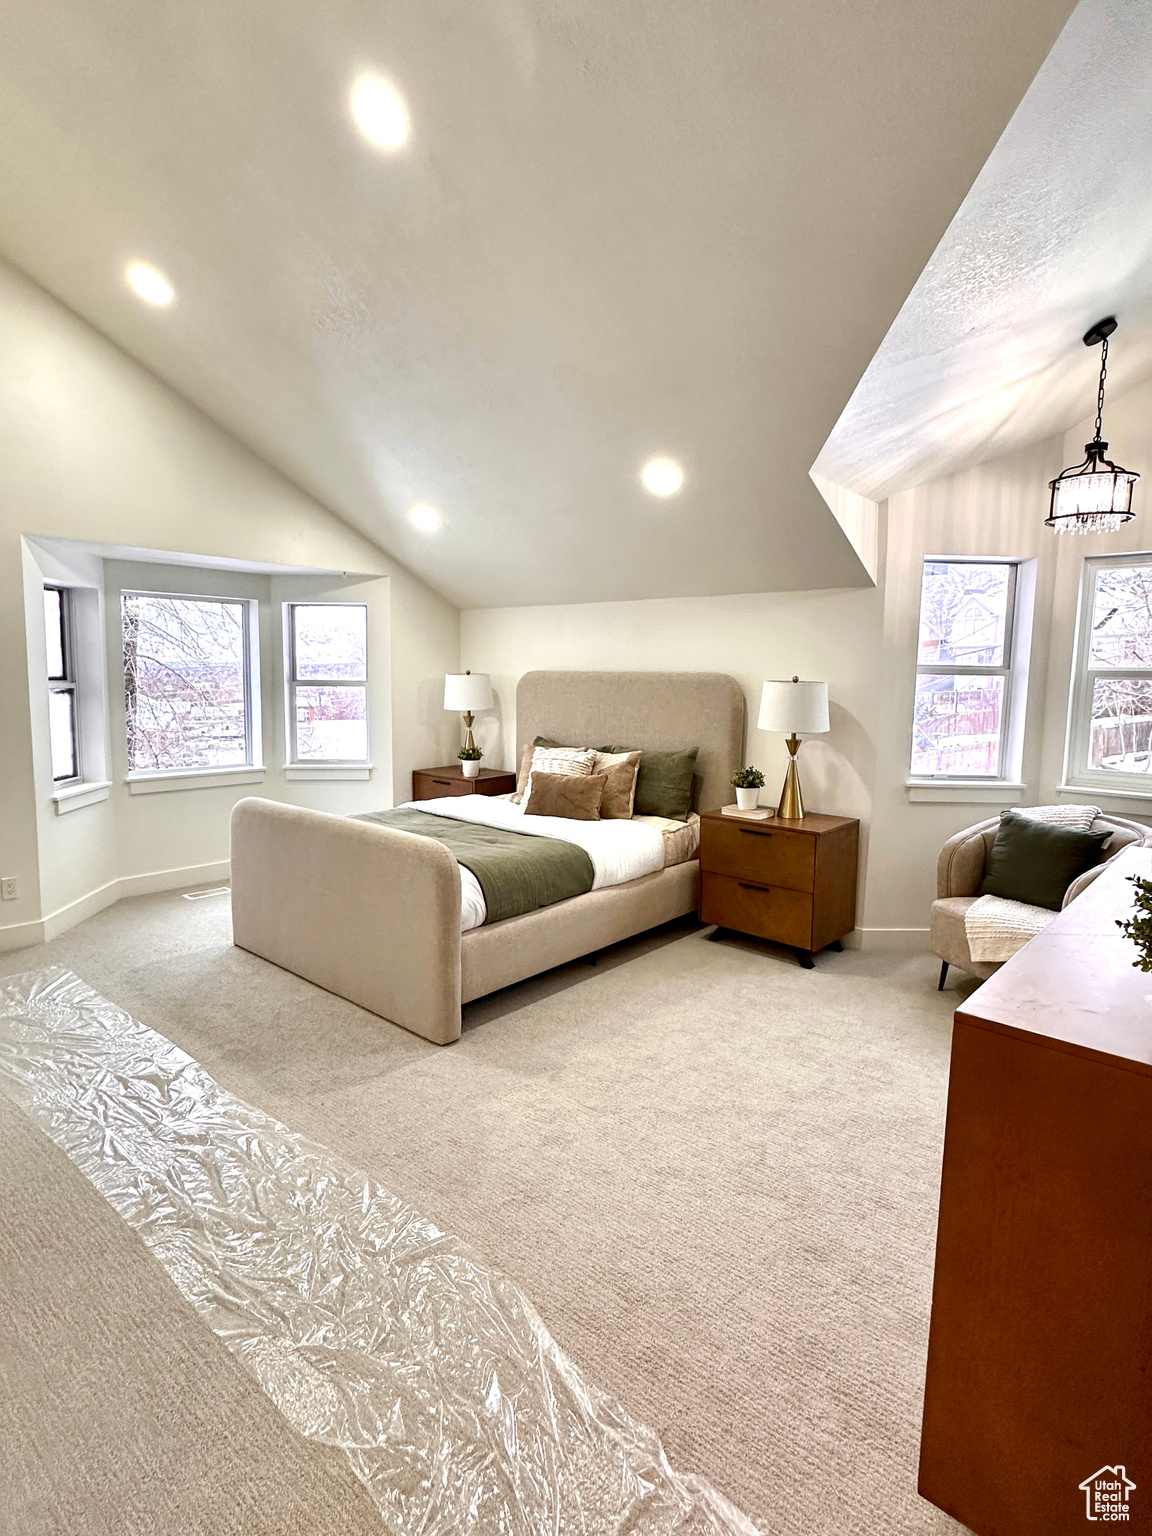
(570, 760)
(621, 770)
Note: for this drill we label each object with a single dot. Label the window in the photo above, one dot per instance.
(1110, 736)
(964, 668)
(327, 682)
(188, 691)
(63, 728)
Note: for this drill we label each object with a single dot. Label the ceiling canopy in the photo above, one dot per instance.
(612, 233)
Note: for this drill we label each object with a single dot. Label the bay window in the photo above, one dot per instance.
(327, 649)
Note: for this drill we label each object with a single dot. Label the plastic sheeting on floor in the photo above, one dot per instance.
(369, 1327)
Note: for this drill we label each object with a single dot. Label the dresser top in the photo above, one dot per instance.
(813, 822)
(1074, 986)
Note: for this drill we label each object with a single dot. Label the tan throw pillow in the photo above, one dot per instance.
(621, 769)
(574, 760)
(522, 774)
(574, 796)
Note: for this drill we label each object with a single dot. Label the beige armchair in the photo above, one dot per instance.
(962, 865)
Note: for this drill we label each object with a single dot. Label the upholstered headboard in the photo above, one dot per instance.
(652, 711)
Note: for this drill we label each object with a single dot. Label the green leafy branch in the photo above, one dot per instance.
(1139, 927)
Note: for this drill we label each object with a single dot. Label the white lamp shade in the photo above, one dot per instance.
(466, 692)
(796, 708)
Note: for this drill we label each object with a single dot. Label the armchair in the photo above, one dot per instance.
(960, 870)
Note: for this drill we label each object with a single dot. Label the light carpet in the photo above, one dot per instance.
(714, 1173)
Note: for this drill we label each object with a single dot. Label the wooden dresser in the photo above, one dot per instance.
(792, 881)
(434, 783)
(1038, 1396)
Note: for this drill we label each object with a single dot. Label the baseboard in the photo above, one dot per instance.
(21, 935)
(875, 939)
(176, 879)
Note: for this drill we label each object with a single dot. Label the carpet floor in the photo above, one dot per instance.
(714, 1173)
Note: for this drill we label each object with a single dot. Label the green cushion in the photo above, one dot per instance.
(546, 741)
(1036, 861)
(664, 783)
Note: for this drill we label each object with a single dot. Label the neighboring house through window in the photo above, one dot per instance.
(63, 716)
(1110, 720)
(964, 668)
(189, 686)
(327, 646)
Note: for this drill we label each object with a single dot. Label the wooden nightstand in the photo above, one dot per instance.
(434, 783)
(791, 881)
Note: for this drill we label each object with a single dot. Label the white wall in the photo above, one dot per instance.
(94, 448)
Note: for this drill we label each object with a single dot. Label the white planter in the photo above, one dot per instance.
(747, 799)
(471, 767)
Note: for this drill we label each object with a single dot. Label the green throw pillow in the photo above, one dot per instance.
(1036, 861)
(664, 783)
(546, 741)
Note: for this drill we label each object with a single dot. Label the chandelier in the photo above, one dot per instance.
(1096, 495)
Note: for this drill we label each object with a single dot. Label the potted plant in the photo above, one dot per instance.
(748, 783)
(470, 761)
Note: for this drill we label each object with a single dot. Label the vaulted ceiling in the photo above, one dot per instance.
(986, 354)
(617, 229)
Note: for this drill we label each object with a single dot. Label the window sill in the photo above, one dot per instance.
(964, 791)
(195, 778)
(352, 773)
(1089, 794)
(76, 796)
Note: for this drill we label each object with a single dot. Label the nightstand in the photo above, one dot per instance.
(791, 881)
(434, 783)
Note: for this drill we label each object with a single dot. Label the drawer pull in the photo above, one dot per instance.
(754, 832)
(747, 885)
(441, 781)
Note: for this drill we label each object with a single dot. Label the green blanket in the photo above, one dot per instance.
(517, 872)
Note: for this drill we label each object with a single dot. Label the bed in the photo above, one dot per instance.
(373, 913)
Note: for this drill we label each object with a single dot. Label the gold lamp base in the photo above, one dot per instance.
(469, 743)
(791, 807)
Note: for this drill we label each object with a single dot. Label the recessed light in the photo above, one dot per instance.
(149, 284)
(663, 477)
(424, 517)
(380, 112)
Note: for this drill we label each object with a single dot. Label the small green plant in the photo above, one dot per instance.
(469, 754)
(748, 778)
(1139, 927)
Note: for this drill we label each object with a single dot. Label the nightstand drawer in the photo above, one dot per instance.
(755, 853)
(427, 786)
(770, 911)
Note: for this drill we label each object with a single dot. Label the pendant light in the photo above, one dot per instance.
(1095, 496)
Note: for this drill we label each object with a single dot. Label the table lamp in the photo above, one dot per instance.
(467, 692)
(794, 708)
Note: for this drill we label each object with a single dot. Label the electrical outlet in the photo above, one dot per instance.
(8, 890)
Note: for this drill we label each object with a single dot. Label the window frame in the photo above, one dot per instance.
(66, 683)
(1008, 669)
(292, 682)
(1077, 774)
(250, 631)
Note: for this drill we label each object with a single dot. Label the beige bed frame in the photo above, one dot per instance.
(373, 914)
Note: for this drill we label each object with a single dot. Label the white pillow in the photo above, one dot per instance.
(571, 760)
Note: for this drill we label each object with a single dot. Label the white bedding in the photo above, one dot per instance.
(619, 850)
